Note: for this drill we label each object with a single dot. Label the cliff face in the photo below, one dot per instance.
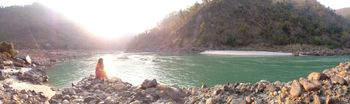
(227, 24)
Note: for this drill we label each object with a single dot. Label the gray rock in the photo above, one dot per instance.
(65, 102)
(24, 96)
(66, 97)
(2, 66)
(88, 99)
(78, 101)
(149, 84)
(3, 75)
(136, 102)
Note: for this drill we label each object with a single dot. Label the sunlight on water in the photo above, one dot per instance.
(122, 64)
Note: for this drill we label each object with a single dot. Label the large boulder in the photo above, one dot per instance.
(296, 89)
(8, 48)
(35, 76)
(316, 76)
(310, 85)
(149, 84)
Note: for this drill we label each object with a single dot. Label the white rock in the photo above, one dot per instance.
(7, 62)
(65, 102)
(28, 59)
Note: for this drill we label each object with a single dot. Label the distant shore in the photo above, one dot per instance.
(245, 53)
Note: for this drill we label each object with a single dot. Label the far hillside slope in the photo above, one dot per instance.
(256, 24)
(345, 12)
(37, 27)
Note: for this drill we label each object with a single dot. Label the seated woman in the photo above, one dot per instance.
(100, 72)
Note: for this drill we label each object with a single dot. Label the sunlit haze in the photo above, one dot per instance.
(114, 18)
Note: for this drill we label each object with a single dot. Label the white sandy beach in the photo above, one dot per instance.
(245, 53)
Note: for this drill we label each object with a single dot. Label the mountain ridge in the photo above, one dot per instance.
(36, 26)
(230, 24)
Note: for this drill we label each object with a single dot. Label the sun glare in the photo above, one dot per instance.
(115, 18)
(108, 64)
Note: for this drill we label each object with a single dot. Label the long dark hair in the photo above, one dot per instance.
(100, 61)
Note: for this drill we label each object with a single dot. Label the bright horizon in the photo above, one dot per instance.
(115, 18)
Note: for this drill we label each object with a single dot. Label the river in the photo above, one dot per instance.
(191, 69)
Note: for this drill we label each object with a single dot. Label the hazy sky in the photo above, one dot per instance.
(335, 4)
(109, 18)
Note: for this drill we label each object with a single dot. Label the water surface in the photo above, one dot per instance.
(192, 70)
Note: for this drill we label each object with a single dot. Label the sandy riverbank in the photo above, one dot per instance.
(245, 53)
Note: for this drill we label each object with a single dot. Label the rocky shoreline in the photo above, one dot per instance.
(52, 57)
(22, 74)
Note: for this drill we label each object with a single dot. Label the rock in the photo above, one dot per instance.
(310, 86)
(65, 102)
(328, 100)
(210, 101)
(136, 102)
(248, 100)
(6, 63)
(69, 91)
(35, 76)
(296, 89)
(66, 97)
(343, 73)
(225, 88)
(28, 59)
(338, 80)
(316, 76)
(3, 75)
(173, 93)
(149, 84)
(317, 99)
(204, 86)
(18, 64)
(2, 66)
(24, 96)
(217, 92)
(88, 99)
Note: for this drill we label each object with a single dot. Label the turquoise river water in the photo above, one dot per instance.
(192, 70)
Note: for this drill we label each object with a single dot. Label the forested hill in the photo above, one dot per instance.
(36, 26)
(344, 12)
(228, 24)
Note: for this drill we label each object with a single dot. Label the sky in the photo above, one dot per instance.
(113, 18)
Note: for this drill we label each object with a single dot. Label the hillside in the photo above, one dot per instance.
(344, 12)
(232, 24)
(37, 27)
